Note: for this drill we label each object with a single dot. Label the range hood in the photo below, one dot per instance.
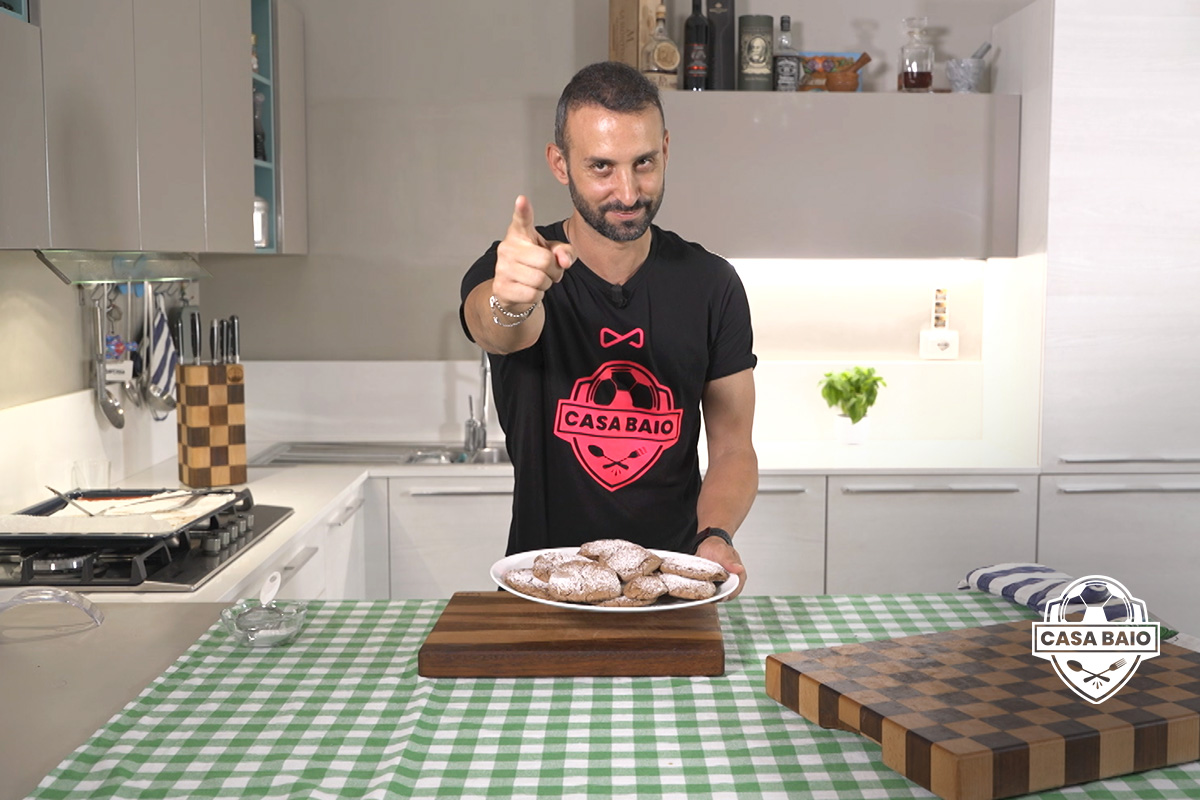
(78, 267)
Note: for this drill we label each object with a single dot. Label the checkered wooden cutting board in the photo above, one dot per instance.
(211, 413)
(971, 713)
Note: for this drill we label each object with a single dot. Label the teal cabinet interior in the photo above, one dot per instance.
(16, 8)
(265, 182)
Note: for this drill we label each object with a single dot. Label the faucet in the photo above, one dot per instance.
(476, 428)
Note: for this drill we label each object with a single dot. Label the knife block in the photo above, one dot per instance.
(211, 414)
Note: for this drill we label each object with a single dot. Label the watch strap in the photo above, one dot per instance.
(709, 532)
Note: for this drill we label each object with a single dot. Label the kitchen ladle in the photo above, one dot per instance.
(131, 388)
(107, 401)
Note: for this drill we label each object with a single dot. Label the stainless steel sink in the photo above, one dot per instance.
(286, 453)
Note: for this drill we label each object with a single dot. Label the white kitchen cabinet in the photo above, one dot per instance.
(1121, 324)
(923, 533)
(24, 211)
(346, 546)
(899, 175)
(782, 540)
(445, 533)
(1136, 528)
(302, 566)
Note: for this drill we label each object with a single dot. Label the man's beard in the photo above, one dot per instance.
(626, 231)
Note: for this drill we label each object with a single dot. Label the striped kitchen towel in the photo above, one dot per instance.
(1031, 585)
(1034, 586)
(163, 357)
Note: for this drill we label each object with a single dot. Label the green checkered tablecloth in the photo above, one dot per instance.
(341, 713)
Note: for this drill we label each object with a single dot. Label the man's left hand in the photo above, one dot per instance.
(715, 549)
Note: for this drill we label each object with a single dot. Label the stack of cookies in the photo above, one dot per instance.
(614, 572)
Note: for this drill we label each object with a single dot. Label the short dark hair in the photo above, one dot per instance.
(611, 84)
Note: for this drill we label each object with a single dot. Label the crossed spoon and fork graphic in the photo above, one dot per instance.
(1099, 676)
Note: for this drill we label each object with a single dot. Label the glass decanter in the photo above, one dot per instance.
(916, 57)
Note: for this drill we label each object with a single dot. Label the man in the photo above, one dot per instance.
(607, 334)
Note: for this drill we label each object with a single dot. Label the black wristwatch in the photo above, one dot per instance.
(710, 531)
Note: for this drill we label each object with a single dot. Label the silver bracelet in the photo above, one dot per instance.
(498, 309)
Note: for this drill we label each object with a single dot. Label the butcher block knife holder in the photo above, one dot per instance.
(971, 714)
(500, 635)
(211, 413)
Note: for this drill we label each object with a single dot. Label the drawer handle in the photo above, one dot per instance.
(347, 513)
(1003, 488)
(1123, 489)
(297, 563)
(1129, 459)
(782, 490)
(460, 492)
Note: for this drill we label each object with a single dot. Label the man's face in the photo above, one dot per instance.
(615, 168)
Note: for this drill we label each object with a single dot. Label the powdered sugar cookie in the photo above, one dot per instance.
(546, 563)
(525, 582)
(631, 560)
(700, 569)
(588, 582)
(688, 588)
(645, 587)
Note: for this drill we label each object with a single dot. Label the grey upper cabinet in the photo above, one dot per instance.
(228, 126)
(855, 175)
(169, 134)
(149, 126)
(24, 210)
(291, 134)
(91, 124)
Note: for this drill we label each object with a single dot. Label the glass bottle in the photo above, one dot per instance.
(254, 52)
(916, 57)
(786, 58)
(260, 132)
(696, 44)
(660, 57)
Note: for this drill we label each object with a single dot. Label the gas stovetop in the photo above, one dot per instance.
(181, 561)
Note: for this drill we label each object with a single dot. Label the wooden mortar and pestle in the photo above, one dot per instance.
(845, 79)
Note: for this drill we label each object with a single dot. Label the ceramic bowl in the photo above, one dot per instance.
(250, 623)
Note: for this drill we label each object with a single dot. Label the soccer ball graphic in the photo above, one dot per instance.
(622, 387)
(1092, 597)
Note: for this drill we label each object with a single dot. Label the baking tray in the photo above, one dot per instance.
(239, 500)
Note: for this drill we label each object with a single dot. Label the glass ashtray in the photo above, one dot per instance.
(250, 623)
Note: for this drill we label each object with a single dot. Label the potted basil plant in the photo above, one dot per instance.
(853, 391)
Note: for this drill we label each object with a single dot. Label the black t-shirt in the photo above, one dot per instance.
(602, 413)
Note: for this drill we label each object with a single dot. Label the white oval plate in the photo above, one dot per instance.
(525, 561)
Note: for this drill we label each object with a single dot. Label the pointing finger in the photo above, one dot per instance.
(522, 220)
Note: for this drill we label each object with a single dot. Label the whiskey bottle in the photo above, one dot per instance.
(696, 43)
(787, 59)
(660, 57)
(723, 49)
(755, 35)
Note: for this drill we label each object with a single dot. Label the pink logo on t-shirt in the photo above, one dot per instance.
(610, 338)
(618, 422)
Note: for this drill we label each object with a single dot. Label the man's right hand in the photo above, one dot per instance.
(526, 264)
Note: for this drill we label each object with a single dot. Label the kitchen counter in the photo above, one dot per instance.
(341, 712)
(65, 677)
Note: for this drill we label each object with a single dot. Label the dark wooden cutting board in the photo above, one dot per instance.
(500, 635)
(971, 714)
